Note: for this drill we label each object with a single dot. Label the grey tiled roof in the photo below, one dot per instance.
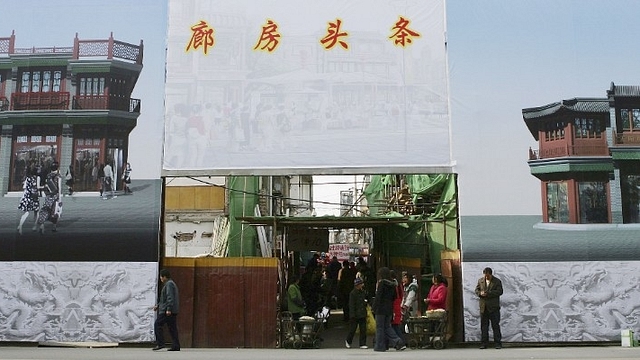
(624, 90)
(600, 105)
(534, 116)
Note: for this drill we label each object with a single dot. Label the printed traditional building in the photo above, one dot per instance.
(588, 159)
(71, 104)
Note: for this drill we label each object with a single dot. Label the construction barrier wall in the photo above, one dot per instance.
(226, 302)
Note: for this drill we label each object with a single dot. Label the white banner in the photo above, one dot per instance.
(260, 87)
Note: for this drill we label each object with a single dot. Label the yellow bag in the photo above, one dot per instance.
(371, 322)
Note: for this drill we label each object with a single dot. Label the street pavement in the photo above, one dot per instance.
(332, 348)
(144, 353)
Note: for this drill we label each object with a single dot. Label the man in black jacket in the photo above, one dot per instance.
(489, 290)
(357, 313)
(168, 308)
(383, 312)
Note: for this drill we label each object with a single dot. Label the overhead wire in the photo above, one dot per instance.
(311, 202)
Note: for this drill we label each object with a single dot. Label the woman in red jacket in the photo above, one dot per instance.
(396, 320)
(437, 297)
(436, 300)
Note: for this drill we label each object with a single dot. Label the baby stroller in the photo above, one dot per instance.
(301, 333)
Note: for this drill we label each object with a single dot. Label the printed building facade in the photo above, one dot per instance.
(72, 105)
(588, 160)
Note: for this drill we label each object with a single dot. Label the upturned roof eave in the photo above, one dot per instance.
(535, 115)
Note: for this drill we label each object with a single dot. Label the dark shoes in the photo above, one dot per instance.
(483, 346)
(158, 347)
(498, 346)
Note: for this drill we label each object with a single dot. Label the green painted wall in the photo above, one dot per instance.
(243, 239)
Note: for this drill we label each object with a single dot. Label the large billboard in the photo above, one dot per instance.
(80, 85)
(562, 282)
(272, 87)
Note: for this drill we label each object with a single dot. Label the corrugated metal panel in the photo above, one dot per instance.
(226, 302)
(182, 272)
(219, 302)
(260, 302)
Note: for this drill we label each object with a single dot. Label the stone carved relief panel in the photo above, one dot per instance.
(77, 301)
(558, 301)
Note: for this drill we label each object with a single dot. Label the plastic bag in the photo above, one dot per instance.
(371, 322)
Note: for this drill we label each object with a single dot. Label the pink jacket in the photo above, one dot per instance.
(437, 297)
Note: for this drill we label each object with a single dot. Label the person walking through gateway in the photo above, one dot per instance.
(346, 276)
(383, 311)
(357, 314)
(168, 307)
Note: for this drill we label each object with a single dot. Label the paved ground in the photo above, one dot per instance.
(332, 349)
(143, 353)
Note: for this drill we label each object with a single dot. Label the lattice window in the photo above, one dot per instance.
(587, 128)
(57, 79)
(24, 82)
(46, 81)
(35, 83)
(40, 81)
(554, 131)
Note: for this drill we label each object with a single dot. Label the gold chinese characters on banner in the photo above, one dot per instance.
(202, 36)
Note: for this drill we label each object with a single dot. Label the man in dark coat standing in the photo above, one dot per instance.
(489, 290)
(168, 308)
(357, 314)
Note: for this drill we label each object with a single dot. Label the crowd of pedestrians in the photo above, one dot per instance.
(369, 300)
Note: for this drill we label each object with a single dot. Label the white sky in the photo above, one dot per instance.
(327, 189)
(508, 55)
(504, 56)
